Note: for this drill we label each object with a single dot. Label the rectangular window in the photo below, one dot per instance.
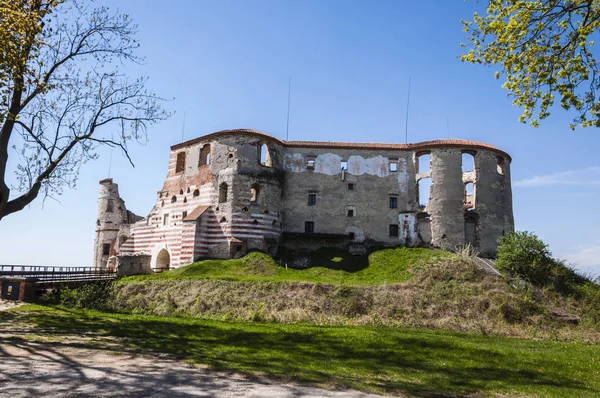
(393, 202)
(180, 166)
(309, 227)
(184, 215)
(109, 206)
(344, 165)
(350, 186)
(393, 229)
(310, 163)
(312, 199)
(106, 249)
(351, 235)
(350, 213)
(393, 165)
(166, 219)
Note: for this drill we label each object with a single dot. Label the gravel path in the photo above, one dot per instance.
(38, 366)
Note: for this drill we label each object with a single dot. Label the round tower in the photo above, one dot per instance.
(111, 214)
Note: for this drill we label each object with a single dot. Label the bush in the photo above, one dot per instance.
(93, 296)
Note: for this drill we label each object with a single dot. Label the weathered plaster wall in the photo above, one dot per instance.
(373, 185)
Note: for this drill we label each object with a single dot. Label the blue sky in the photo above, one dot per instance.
(227, 65)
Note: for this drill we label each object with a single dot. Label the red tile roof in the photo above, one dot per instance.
(452, 143)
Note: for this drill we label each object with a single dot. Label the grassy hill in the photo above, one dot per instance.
(328, 266)
(391, 287)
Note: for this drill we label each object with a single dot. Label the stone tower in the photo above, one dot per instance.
(111, 214)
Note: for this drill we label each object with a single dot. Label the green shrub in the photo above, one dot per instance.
(94, 296)
(525, 255)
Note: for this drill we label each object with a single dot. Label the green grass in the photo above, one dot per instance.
(329, 266)
(419, 362)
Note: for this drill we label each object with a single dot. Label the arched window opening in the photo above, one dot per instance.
(469, 196)
(162, 204)
(423, 162)
(500, 165)
(184, 200)
(266, 211)
(254, 192)
(223, 219)
(423, 191)
(244, 208)
(174, 199)
(204, 155)
(255, 222)
(188, 189)
(181, 191)
(265, 155)
(468, 161)
(196, 193)
(180, 166)
(223, 191)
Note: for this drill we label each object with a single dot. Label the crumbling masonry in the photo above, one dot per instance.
(236, 190)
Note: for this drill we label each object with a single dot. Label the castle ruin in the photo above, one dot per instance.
(233, 191)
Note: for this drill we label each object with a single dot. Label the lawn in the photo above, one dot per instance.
(328, 266)
(418, 362)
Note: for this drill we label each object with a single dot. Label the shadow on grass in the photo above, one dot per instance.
(418, 362)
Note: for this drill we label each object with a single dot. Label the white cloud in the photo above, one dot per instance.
(584, 258)
(587, 176)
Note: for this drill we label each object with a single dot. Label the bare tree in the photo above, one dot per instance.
(62, 94)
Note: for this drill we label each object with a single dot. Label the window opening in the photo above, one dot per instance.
(166, 219)
(350, 186)
(188, 189)
(223, 219)
(393, 165)
(106, 249)
(393, 229)
(109, 206)
(309, 227)
(180, 166)
(469, 196)
(393, 202)
(424, 163)
(184, 199)
(312, 199)
(310, 163)
(423, 191)
(184, 214)
(265, 155)
(468, 162)
(344, 165)
(351, 235)
(350, 213)
(174, 199)
(255, 222)
(500, 165)
(204, 158)
(196, 193)
(223, 188)
(254, 192)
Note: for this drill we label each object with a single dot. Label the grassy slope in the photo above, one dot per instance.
(384, 360)
(333, 266)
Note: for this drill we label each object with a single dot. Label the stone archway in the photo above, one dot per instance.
(163, 261)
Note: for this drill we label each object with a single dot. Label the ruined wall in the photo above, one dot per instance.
(355, 200)
(238, 190)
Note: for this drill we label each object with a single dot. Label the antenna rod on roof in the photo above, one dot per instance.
(407, 103)
(287, 129)
(448, 127)
(183, 127)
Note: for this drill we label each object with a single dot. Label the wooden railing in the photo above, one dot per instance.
(50, 275)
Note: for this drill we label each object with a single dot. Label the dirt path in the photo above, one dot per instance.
(8, 304)
(35, 365)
